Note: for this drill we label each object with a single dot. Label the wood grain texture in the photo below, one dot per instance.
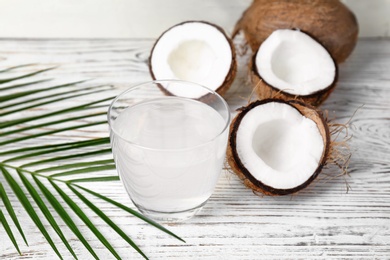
(321, 222)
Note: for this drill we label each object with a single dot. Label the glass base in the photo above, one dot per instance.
(177, 216)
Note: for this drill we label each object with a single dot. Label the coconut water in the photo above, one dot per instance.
(169, 152)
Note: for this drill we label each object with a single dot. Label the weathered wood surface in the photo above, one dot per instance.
(323, 222)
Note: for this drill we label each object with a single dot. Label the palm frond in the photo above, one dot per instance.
(107, 220)
(7, 228)
(84, 218)
(46, 212)
(61, 158)
(68, 119)
(85, 170)
(35, 91)
(62, 96)
(11, 212)
(29, 208)
(52, 114)
(64, 215)
(24, 84)
(131, 211)
(59, 130)
(69, 145)
(37, 175)
(95, 179)
(76, 165)
(2, 81)
(17, 67)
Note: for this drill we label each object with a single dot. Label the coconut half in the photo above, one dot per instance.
(278, 147)
(290, 64)
(194, 51)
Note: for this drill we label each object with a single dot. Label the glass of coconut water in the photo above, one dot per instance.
(169, 140)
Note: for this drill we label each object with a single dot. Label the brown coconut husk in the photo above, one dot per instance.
(265, 90)
(330, 22)
(233, 66)
(340, 153)
(256, 185)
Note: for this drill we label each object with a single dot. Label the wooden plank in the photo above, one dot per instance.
(322, 222)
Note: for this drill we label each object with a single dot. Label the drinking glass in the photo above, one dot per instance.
(169, 140)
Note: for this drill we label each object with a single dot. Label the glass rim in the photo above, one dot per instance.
(137, 86)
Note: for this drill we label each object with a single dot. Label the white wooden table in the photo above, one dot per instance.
(322, 222)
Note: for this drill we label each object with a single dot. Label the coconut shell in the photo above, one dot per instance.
(265, 91)
(233, 66)
(239, 169)
(330, 22)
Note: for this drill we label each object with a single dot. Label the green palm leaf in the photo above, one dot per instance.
(23, 84)
(131, 211)
(11, 212)
(29, 208)
(64, 215)
(2, 81)
(46, 212)
(85, 219)
(56, 167)
(52, 147)
(7, 228)
(108, 221)
(75, 165)
(16, 67)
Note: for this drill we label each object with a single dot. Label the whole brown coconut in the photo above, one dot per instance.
(329, 21)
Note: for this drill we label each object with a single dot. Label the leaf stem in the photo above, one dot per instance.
(31, 172)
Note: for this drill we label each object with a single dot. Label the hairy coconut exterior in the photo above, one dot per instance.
(265, 91)
(240, 169)
(233, 66)
(330, 22)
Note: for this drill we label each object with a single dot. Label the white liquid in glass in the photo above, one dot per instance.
(170, 152)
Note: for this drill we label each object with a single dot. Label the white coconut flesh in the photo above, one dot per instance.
(278, 145)
(292, 61)
(192, 51)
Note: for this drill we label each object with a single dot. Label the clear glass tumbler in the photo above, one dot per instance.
(169, 140)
